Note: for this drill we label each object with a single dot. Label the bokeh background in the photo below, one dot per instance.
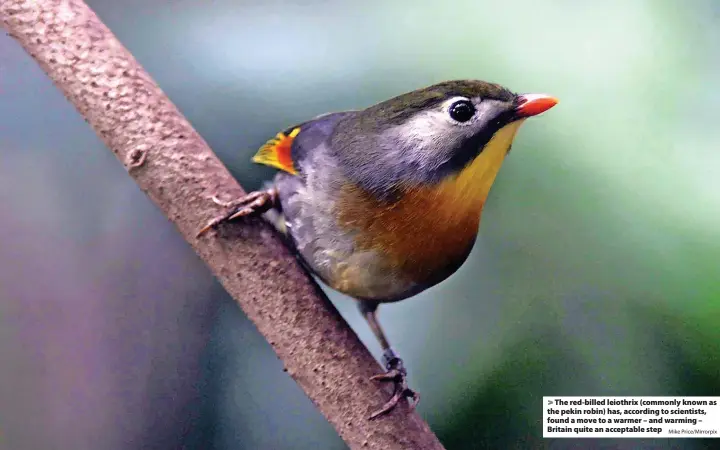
(596, 272)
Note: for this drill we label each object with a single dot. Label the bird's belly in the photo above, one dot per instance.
(394, 261)
(378, 275)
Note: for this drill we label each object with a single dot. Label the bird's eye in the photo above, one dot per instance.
(462, 110)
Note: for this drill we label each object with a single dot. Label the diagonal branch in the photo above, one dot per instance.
(177, 170)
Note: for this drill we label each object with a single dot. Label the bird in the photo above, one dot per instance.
(385, 202)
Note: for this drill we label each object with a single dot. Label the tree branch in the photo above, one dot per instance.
(179, 172)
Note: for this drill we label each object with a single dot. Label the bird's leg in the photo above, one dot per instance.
(396, 371)
(256, 202)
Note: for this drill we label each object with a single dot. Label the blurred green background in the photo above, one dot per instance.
(596, 271)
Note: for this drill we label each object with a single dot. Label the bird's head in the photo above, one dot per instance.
(428, 135)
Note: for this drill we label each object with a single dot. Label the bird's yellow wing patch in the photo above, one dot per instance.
(277, 151)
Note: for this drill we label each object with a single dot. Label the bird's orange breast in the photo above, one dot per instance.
(421, 235)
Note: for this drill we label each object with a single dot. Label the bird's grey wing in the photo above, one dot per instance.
(307, 197)
(312, 136)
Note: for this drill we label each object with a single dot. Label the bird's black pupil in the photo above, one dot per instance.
(462, 111)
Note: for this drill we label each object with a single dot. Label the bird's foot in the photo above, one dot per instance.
(396, 373)
(256, 202)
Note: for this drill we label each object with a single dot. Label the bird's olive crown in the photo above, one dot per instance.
(398, 109)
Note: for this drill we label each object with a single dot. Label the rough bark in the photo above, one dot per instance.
(178, 171)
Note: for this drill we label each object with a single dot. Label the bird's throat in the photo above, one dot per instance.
(468, 190)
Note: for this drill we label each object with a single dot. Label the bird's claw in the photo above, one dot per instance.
(397, 374)
(254, 202)
(390, 375)
(223, 203)
(249, 198)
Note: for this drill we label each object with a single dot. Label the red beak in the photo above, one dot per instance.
(534, 104)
